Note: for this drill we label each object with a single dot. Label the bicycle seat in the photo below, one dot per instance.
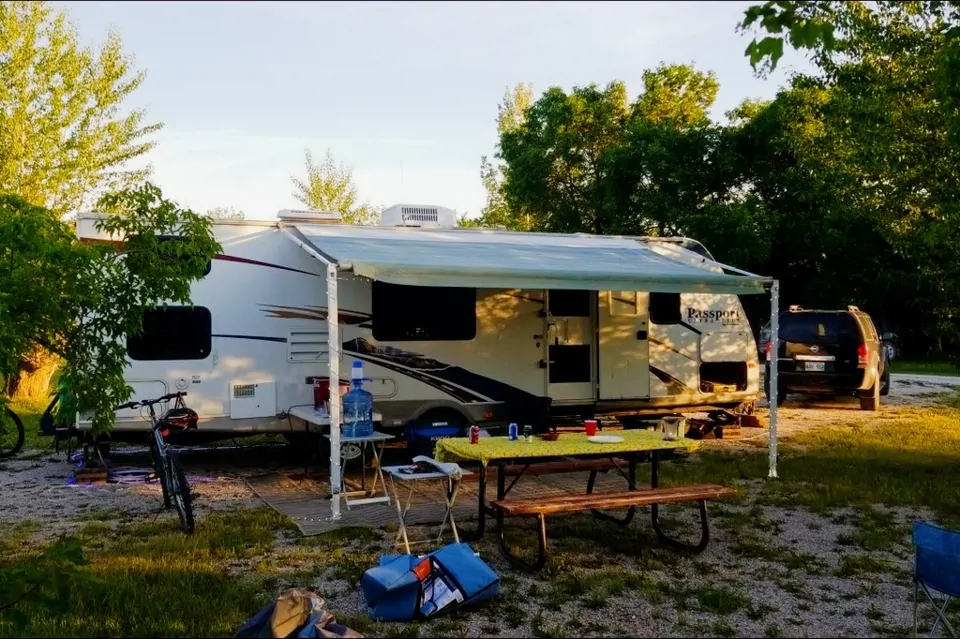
(180, 418)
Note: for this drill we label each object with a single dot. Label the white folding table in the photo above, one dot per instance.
(370, 496)
(320, 419)
(451, 487)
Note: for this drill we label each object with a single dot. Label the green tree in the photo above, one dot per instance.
(329, 186)
(79, 300)
(64, 130)
(888, 127)
(554, 163)
(589, 161)
(225, 213)
(511, 114)
(65, 134)
(677, 94)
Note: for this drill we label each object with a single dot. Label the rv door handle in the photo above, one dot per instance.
(543, 363)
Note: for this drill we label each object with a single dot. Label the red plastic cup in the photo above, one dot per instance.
(591, 426)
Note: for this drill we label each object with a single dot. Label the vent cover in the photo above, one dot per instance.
(244, 390)
(425, 215)
(308, 346)
(420, 214)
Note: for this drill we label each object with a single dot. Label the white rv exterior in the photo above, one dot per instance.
(249, 349)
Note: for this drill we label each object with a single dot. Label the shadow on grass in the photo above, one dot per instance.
(151, 580)
(910, 460)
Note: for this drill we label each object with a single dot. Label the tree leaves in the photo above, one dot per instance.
(80, 301)
(64, 135)
(329, 187)
(43, 580)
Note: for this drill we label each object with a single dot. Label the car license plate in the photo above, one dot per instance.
(814, 367)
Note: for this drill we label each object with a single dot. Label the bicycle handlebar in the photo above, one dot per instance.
(151, 402)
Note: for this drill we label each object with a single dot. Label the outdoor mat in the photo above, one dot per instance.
(305, 499)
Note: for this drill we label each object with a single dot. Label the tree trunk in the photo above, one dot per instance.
(33, 380)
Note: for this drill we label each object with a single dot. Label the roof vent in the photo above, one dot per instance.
(422, 215)
(314, 217)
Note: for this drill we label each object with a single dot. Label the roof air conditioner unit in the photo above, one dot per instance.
(422, 215)
(313, 217)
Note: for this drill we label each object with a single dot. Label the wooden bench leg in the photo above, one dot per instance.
(541, 550)
(620, 521)
(704, 530)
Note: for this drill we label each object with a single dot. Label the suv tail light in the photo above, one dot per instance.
(768, 349)
(862, 359)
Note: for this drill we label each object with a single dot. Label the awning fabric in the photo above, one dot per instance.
(507, 260)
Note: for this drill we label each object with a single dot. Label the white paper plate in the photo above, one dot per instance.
(605, 439)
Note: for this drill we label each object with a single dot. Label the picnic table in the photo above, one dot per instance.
(636, 446)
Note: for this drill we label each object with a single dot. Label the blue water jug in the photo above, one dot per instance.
(357, 406)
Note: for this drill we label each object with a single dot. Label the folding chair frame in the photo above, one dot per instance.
(940, 609)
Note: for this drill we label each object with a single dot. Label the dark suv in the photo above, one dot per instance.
(830, 352)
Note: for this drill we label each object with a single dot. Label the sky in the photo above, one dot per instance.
(404, 92)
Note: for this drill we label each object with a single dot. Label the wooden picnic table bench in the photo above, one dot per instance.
(541, 507)
(574, 452)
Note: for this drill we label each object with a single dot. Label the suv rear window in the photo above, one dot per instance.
(818, 328)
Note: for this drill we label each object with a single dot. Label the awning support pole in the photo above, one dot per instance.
(772, 383)
(333, 369)
(333, 341)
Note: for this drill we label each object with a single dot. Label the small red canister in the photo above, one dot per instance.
(321, 391)
(591, 427)
(474, 434)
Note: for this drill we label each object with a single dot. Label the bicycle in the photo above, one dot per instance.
(173, 481)
(11, 432)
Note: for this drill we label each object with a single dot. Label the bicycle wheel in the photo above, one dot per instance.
(180, 492)
(158, 467)
(11, 433)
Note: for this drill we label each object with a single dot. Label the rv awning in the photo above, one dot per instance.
(500, 259)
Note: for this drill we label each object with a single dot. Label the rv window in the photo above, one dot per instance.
(565, 303)
(665, 308)
(172, 333)
(423, 313)
(166, 254)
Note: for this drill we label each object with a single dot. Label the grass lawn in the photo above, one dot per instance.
(921, 367)
(151, 580)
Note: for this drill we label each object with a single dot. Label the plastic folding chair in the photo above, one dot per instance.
(937, 568)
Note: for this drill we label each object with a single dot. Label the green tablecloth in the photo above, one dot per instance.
(569, 445)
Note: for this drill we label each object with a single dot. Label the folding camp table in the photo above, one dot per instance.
(451, 489)
(318, 420)
(371, 497)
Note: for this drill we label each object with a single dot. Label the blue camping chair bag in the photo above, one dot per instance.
(406, 587)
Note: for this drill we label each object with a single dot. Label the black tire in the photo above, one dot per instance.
(11, 433)
(781, 391)
(161, 472)
(180, 492)
(885, 387)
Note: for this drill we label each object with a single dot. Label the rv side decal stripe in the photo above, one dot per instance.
(262, 338)
(118, 244)
(671, 381)
(692, 328)
(460, 394)
(243, 260)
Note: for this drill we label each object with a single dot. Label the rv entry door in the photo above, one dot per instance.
(624, 349)
(569, 346)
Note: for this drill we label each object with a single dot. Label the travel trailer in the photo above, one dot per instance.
(453, 325)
